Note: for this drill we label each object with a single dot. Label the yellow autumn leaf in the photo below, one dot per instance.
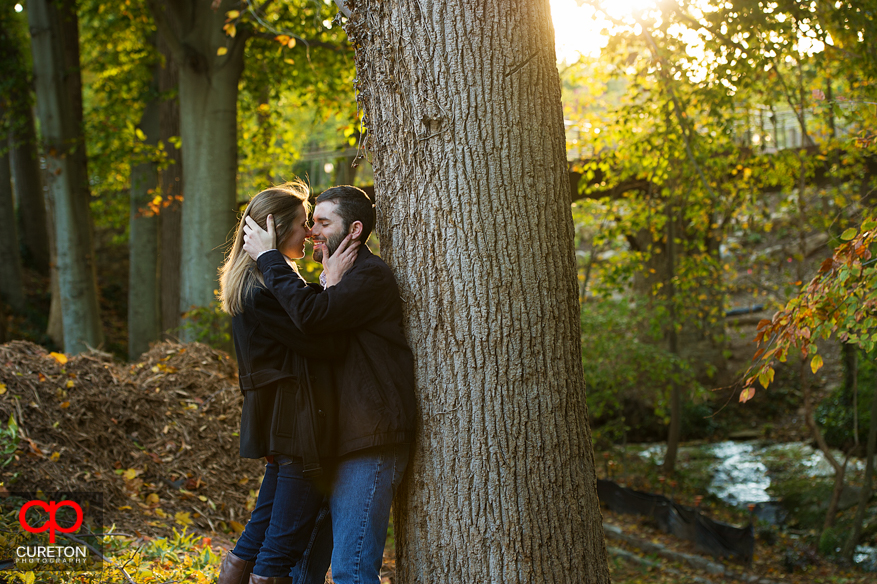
(124, 508)
(2, 388)
(130, 474)
(29, 578)
(139, 133)
(231, 30)
(69, 383)
(183, 518)
(59, 357)
(291, 43)
(221, 51)
(152, 499)
(816, 363)
(65, 405)
(232, 14)
(55, 456)
(765, 377)
(161, 513)
(239, 528)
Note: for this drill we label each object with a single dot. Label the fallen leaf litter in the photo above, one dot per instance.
(157, 437)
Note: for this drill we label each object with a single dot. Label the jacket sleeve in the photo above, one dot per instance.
(275, 321)
(362, 293)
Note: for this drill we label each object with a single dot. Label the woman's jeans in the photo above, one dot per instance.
(362, 492)
(281, 525)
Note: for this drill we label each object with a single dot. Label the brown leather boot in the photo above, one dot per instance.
(234, 570)
(254, 579)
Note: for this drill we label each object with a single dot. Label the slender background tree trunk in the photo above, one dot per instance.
(865, 496)
(675, 431)
(23, 147)
(144, 314)
(11, 287)
(29, 192)
(462, 102)
(55, 47)
(171, 183)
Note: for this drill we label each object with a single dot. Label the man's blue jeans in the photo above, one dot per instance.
(283, 520)
(361, 495)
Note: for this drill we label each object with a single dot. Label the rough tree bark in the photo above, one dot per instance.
(462, 102)
(11, 286)
(55, 47)
(208, 93)
(144, 315)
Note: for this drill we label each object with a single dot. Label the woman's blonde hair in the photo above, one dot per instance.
(239, 274)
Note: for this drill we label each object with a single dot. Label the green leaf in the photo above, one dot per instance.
(848, 234)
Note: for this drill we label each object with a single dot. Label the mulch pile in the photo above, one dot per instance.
(158, 438)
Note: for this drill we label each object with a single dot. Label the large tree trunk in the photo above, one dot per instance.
(171, 185)
(208, 128)
(144, 315)
(55, 47)
(462, 102)
(11, 287)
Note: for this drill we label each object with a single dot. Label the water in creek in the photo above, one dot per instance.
(740, 475)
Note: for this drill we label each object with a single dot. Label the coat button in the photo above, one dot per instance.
(321, 414)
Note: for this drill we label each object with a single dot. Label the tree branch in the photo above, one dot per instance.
(677, 111)
(306, 43)
(342, 6)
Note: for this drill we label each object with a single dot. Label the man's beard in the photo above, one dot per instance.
(332, 244)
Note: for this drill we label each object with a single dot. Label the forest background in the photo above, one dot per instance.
(721, 164)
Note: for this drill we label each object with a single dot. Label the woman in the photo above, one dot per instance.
(288, 412)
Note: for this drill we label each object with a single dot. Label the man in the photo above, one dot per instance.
(374, 380)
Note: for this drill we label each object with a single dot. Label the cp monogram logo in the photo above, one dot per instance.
(51, 524)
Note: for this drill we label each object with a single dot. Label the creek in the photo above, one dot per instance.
(740, 473)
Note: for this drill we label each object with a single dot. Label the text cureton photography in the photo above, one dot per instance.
(55, 531)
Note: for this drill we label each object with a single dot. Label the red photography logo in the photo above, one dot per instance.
(51, 523)
(47, 521)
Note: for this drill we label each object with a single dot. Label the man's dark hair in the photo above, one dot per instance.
(352, 205)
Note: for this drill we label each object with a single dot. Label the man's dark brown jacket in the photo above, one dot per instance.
(375, 376)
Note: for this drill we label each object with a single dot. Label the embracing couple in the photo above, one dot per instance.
(328, 384)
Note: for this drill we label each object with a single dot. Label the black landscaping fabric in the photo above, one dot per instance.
(712, 537)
